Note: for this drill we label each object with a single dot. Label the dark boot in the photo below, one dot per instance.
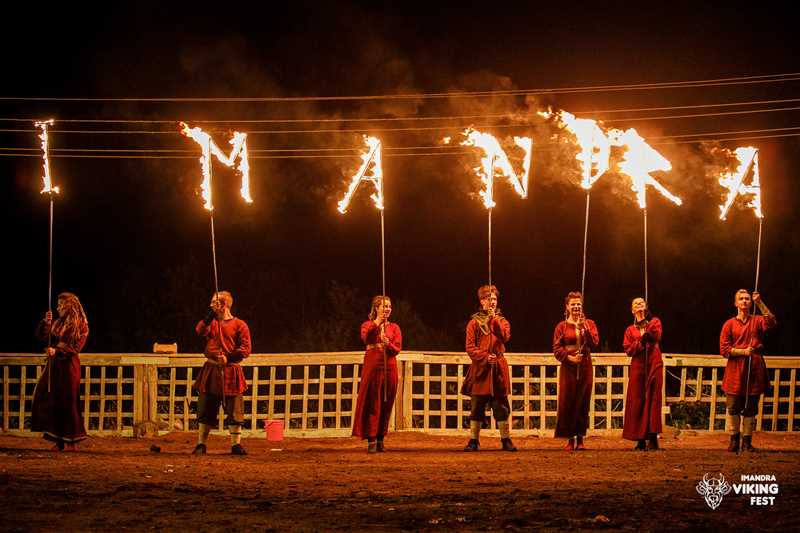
(652, 442)
(734, 445)
(472, 446)
(237, 449)
(372, 447)
(641, 445)
(579, 446)
(380, 446)
(747, 444)
(508, 446)
(200, 449)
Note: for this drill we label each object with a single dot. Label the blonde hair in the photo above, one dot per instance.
(376, 303)
(73, 320)
(226, 297)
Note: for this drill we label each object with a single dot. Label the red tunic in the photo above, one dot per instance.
(738, 334)
(574, 381)
(57, 413)
(234, 342)
(645, 382)
(371, 417)
(485, 378)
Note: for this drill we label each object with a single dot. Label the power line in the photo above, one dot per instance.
(509, 114)
(741, 80)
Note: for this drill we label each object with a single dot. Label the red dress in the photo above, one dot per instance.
(371, 418)
(485, 378)
(574, 381)
(738, 334)
(645, 383)
(57, 413)
(234, 342)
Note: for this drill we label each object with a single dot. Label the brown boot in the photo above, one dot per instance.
(652, 442)
(508, 446)
(747, 444)
(734, 445)
(641, 445)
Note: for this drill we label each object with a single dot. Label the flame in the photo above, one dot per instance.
(734, 181)
(595, 146)
(366, 172)
(48, 184)
(639, 161)
(496, 158)
(209, 147)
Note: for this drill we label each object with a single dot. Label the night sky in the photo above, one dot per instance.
(132, 238)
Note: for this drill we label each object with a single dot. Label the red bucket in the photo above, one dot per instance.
(274, 429)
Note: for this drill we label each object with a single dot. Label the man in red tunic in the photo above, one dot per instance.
(221, 380)
(741, 342)
(487, 380)
(645, 378)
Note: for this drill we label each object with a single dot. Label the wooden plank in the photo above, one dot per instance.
(254, 401)
(775, 395)
(609, 399)
(338, 396)
(792, 386)
(713, 409)
(304, 419)
(397, 415)
(102, 414)
(22, 387)
(683, 384)
(187, 401)
(288, 410)
(443, 396)
(426, 395)
(526, 381)
(543, 397)
(459, 399)
(171, 409)
(321, 402)
(119, 399)
(698, 393)
(407, 395)
(86, 390)
(271, 407)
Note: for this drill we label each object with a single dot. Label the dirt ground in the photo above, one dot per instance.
(422, 482)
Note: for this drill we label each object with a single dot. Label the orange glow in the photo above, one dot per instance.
(734, 182)
(495, 158)
(373, 174)
(238, 149)
(46, 179)
(639, 161)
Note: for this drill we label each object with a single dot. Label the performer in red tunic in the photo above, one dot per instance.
(573, 341)
(56, 403)
(378, 375)
(645, 378)
(221, 380)
(487, 380)
(741, 342)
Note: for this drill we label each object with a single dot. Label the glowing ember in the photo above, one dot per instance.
(639, 161)
(734, 181)
(48, 184)
(238, 149)
(495, 158)
(595, 147)
(372, 173)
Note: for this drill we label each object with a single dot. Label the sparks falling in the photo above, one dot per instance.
(495, 158)
(734, 182)
(639, 161)
(209, 147)
(47, 181)
(366, 172)
(595, 146)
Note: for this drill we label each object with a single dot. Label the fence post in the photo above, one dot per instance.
(145, 395)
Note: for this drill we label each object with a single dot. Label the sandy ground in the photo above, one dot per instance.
(422, 482)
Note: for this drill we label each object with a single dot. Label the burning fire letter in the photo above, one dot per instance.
(734, 181)
(238, 149)
(595, 147)
(366, 172)
(48, 184)
(496, 158)
(639, 161)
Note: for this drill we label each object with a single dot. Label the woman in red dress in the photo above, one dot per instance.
(573, 341)
(645, 378)
(56, 402)
(378, 375)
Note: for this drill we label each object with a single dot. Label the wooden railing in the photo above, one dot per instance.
(315, 393)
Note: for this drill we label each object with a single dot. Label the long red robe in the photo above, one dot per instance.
(57, 413)
(484, 377)
(645, 382)
(574, 381)
(371, 418)
(234, 342)
(738, 334)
